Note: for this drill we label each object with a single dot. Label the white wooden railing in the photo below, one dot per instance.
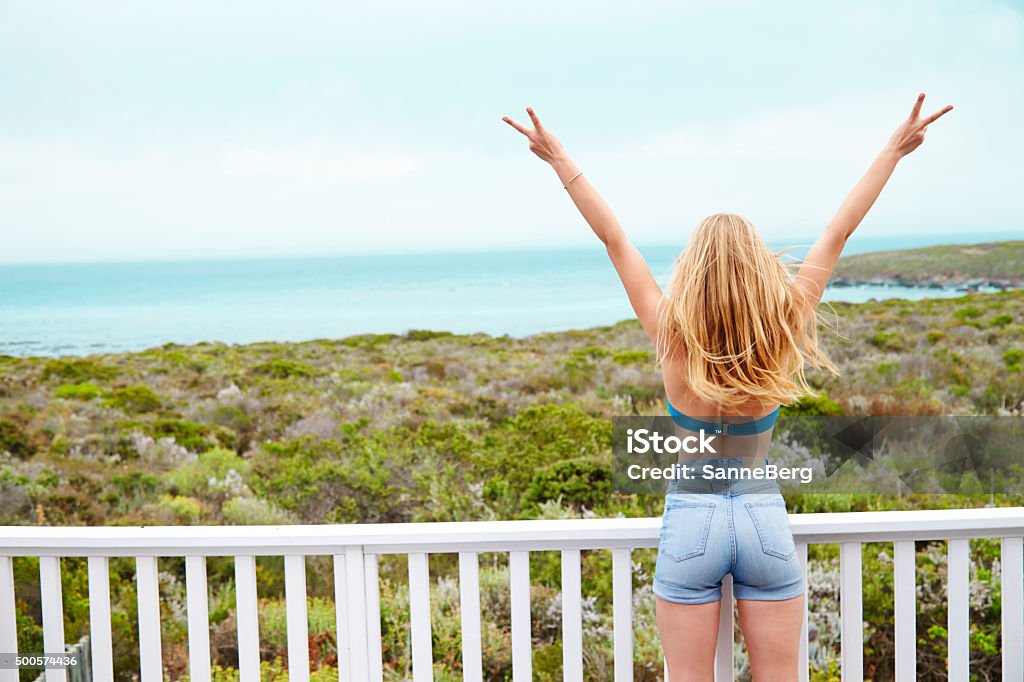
(355, 549)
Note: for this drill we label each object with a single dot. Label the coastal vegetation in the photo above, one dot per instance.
(999, 264)
(431, 426)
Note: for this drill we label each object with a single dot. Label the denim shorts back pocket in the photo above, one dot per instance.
(685, 529)
(771, 520)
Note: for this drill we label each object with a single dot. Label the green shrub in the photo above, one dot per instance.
(891, 341)
(582, 483)
(189, 435)
(324, 480)
(194, 477)
(887, 369)
(425, 335)
(935, 335)
(284, 369)
(812, 406)
(84, 391)
(969, 313)
(252, 511)
(589, 352)
(1001, 320)
(137, 398)
(368, 341)
(637, 394)
(232, 417)
(14, 440)
(1013, 356)
(78, 370)
(632, 357)
(182, 510)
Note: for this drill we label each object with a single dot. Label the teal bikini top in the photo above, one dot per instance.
(745, 429)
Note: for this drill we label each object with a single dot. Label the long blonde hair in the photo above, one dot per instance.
(734, 321)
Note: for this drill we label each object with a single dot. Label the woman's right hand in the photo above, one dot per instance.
(910, 134)
(543, 143)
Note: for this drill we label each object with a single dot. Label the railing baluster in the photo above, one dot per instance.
(905, 598)
(519, 584)
(804, 666)
(341, 620)
(419, 618)
(725, 666)
(198, 606)
(298, 620)
(247, 616)
(1012, 580)
(851, 606)
(355, 602)
(469, 608)
(8, 619)
(100, 640)
(622, 613)
(375, 663)
(148, 585)
(53, 612)
(572, 617)
(958, 613)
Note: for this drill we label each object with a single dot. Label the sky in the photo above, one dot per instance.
(193, 129)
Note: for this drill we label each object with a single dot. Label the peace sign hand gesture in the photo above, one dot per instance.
(542, 142)
(910, 134)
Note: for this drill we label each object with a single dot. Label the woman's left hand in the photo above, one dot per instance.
(542, 142)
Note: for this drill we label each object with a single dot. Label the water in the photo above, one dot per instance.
(85, 308)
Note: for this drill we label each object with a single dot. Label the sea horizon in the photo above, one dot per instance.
(85, 308)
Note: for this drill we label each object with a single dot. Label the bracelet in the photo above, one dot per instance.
(566, 185)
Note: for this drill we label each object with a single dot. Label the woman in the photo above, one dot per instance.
(733, 334)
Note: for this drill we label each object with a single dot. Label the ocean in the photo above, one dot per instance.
(87, 308)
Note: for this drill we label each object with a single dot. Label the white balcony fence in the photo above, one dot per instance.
(356, 548)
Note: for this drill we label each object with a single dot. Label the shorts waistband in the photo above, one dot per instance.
(721, 476)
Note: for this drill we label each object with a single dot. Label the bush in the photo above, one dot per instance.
(179, 510)
(83, 391)
(1013, 357)
(195, 477)
(368, 341)
(812, 406)
(191, 436)
(631, 357)
(14, 440)
(78, 370)
(137, 398)
(582, 483)
(968, 313)
(252, 511)
(1001, 320)
(891, 341)
(425, 335)
(284, 369)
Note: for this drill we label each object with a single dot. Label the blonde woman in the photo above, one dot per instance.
(733, 334)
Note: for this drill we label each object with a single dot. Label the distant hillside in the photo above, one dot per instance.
(998, 264)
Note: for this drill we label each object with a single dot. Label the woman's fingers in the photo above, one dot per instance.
(938, 114)
(515, 125)
(533, 117)
(916, 111)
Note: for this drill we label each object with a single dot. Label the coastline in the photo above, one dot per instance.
(950, 283)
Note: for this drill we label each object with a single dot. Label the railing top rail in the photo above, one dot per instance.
(480, 536)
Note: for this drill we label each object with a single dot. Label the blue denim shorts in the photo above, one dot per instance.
(737, 527)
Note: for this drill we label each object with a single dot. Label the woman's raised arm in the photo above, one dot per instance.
(641, 287)
(822, 257)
